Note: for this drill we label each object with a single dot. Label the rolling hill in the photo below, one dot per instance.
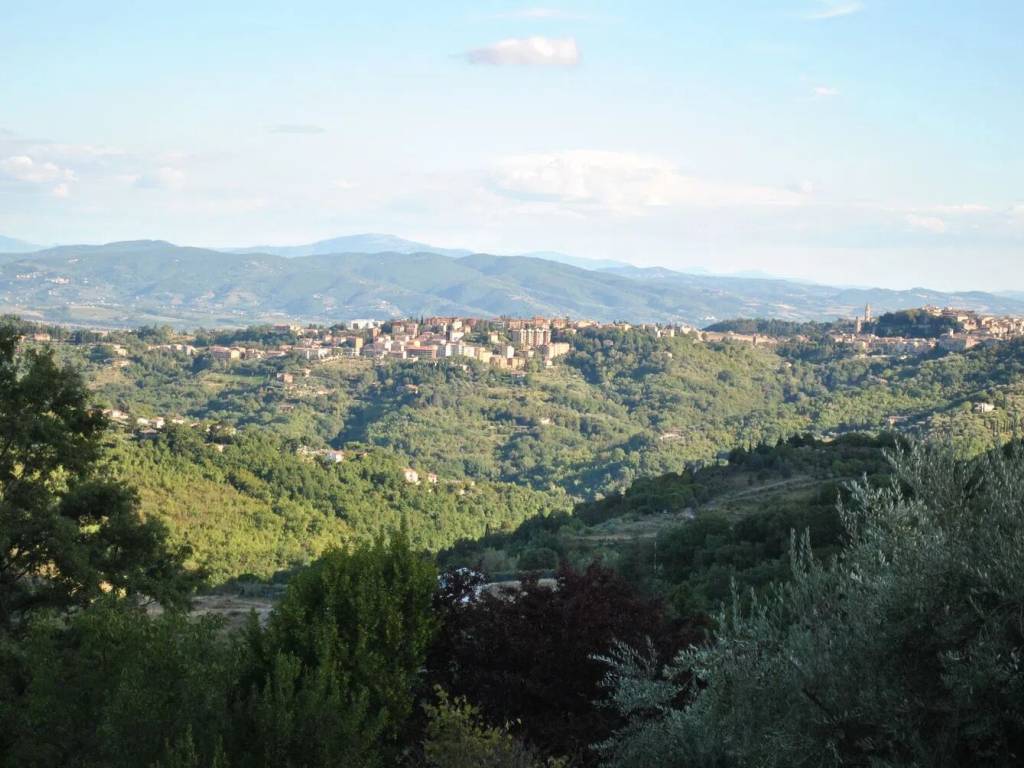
(141, 282)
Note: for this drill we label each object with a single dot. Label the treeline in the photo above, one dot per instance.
(913, 323)
(772, 327)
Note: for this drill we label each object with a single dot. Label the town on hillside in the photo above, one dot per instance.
(917, 331)
(512, 345)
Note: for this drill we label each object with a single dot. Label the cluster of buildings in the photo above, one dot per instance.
(331, 456)
(502, 343)
(150, 427)
(967, 329)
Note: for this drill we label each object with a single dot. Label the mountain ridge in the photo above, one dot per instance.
(151, 281)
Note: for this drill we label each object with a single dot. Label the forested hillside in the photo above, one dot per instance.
(237, 468)
(125, 284)
(848, 561)
(257, 507)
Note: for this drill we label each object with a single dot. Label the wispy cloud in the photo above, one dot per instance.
(528, 51)
(932, 224)
(297, 128)
(833, 9)
(24, 168)
(825, 91)
(622, 183)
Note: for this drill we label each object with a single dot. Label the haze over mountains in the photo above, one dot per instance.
(368, 243)
(13, 245)
(381, 243)
(140, 282)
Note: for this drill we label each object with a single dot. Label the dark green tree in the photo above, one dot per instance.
(67, 533)
(113, 687)
(334, 674)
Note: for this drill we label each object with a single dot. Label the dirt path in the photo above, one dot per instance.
(793, 483)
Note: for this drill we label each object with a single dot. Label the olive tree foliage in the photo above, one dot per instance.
(904, 650)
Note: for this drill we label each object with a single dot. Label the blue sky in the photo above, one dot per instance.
(849, 142)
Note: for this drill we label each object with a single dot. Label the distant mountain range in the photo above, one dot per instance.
(143, 282)
(12, 245)
(380, 243)
(368, 243)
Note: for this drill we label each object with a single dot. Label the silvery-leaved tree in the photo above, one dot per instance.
(905, 650)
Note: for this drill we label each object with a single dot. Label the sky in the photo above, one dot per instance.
(853, 142)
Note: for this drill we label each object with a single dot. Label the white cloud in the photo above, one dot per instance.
(62, 190)
(24, 168)
(933, 224)
(528, 51)
(165, 177)
(832, 9)
(825, 91)
(344, 184)
(622, 183)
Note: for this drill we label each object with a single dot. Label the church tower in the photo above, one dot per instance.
(867, 313)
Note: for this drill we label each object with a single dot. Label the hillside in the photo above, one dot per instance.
(691, 534)
(621, 408)
(621, 405)
(256, 507)
(146, 282)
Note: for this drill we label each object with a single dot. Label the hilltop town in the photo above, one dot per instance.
(506, 343)
(513, 343)
(922, 330)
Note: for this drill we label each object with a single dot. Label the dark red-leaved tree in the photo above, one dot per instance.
(527, 655)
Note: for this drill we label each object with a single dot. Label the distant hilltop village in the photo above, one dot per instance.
(512, 343)
(294, 357)
(507, 343)
(922, 330)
